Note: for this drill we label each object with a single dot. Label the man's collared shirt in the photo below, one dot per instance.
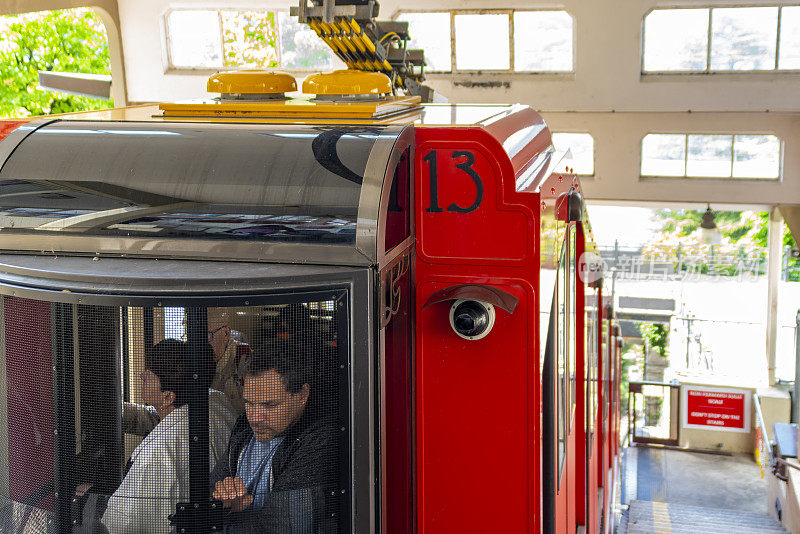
(255, 468)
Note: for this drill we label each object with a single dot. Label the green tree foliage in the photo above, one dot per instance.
(656, 336)
(69, 41)
(250, 38)
(760, 237)
(737, 226)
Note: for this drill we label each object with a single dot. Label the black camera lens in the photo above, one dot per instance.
(470, 318)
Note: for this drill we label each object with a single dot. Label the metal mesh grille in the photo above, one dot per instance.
(152, 419)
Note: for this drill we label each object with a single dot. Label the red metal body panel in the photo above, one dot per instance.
(396, 341)
(6, 127)
(476, 401)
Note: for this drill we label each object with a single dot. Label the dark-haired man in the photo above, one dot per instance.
(158, 476)
(282, 456)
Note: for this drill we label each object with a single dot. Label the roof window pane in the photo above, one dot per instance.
(482, 42)
(542, 41)
(431, 33)
(756, 156)
(743, 38)
(249, 38)
(663, 155)
(709, 155)
(301, 48)
(676, 40)
(194, 39)
(581, 145)
(790, 38)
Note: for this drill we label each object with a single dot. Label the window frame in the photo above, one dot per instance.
(708, 70)
(170, 68)
(731, 178)
(511, 49)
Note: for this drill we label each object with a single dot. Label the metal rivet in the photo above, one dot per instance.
(55, 432)
(56, 494)
(342, 492)
(196, 506)
(341, 366)
(342, 429)
(213, 505)
(195, 438)
(194, 376)
(247, 303)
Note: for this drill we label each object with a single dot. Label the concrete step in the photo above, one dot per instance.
(645, 517)
(645, 528)
(708, 521)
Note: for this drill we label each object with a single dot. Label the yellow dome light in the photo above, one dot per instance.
(251, 84)
(344, 83)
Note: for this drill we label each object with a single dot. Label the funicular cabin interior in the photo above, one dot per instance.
(427, 265)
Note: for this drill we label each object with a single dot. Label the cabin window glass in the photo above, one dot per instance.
(562, 380)
(430, 32)
(398, 211)
(175, 323)
(482, 42)
(711, 156)
(581, 147)
(590, 360)
(542, 41)
(73, 451)
(571, 330)
(606, 369)
(721, 39)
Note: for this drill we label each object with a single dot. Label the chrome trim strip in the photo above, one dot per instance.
(174, 248)
(405, 141)
(363, 425)
(153, 277)
(375, 176)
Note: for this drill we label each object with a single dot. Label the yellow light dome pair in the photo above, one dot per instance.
(246, 83)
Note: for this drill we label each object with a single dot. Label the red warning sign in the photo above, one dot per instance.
(724, 409)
